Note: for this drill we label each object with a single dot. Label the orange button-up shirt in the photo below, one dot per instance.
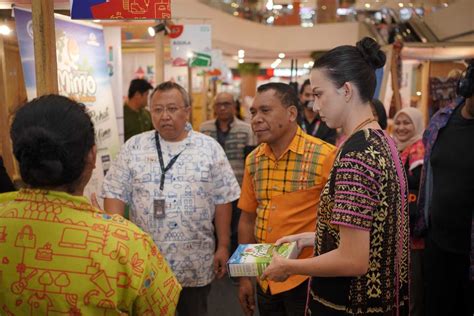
(284, 192)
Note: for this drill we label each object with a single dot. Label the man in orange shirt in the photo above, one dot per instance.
(283, 178)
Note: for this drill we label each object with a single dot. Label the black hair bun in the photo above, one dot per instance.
(41, 157)
(371, 52)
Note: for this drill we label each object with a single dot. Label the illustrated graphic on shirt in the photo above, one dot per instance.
(57, 258)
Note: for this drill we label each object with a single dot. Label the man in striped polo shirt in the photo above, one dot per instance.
(233, 135)
(283, 179)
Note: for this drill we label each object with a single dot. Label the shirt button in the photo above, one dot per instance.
(275, 187)
(274, 207)
(269, 229)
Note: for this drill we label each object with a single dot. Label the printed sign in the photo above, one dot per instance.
(191, 44)
(121, 9)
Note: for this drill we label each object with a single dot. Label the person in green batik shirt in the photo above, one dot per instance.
(136, 118)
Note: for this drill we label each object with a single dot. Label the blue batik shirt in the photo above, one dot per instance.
(201, 178)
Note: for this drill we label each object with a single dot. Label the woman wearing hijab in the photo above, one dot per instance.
(408, 132)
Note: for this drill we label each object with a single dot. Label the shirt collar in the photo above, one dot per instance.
(56, 197)
(297, 145)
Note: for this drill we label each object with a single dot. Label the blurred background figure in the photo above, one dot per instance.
(407, 132)
(136, 117)
(447, 205)
(310, 121)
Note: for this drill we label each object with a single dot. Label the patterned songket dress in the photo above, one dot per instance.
(366, 190)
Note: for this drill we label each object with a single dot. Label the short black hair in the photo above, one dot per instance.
(303, 86)
(355, 64)
(283, 91)
(169, 85)
(138, 85)
(51, 137)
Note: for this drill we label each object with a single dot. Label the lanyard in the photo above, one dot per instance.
(162, 164)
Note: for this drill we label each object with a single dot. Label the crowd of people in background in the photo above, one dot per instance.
(383, 223)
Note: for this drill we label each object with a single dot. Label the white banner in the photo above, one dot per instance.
(83, 75)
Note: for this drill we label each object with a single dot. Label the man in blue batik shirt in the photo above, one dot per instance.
(176, 182)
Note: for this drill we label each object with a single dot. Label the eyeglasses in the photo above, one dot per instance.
(170, 110)
(223, 104)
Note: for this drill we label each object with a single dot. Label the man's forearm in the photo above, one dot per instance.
(222, 222)
(246, 228)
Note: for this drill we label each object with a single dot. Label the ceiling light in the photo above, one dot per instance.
(367, 5)
(236, 13)
(290, 7)
(400, 5)
(241, 53)
(418, 93)
(241, 61)
(5, 30)
(281, 55)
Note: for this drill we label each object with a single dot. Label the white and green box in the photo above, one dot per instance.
(252, 259)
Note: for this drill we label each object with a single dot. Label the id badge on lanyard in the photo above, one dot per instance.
(159, 209)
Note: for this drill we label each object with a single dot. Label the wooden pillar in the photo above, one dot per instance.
(248, 85)
(159, 57)
(396, 103)
(44, 41)
(5, 141)
(12, 96)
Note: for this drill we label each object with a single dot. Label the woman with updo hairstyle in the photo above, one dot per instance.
(53, 141)
(59, 252)
(361, 244)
